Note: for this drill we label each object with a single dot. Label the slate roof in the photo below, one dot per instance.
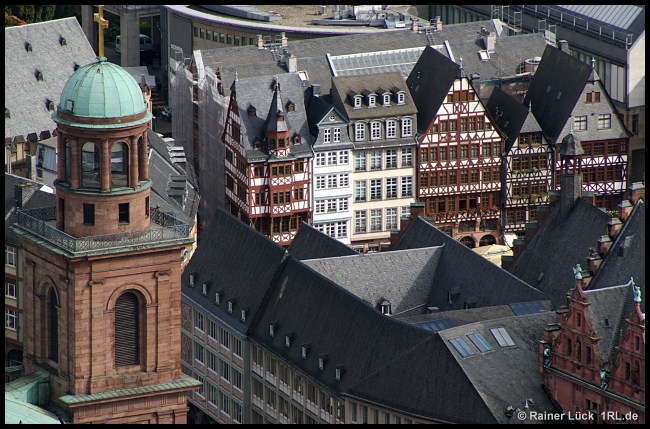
(547, 261)
(626, 18)
(429, 81)
(25, 96)
(617, 268)
(247, 262)
(614, 304)
(506, 375)
(561, 75)
(173, 184)
(35, 199)
(258, 92)
(374, 83)
(510, 116)
(309, 243)
(403, 277)
(311, 53)
(465, 278)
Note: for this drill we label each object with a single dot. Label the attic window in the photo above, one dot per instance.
(559, 94)
(62, 41)
(322, 360)
(305, 350)
(548, 89)
(385, 307)
(39, 75)
(296, 139)
(357, 101)
(231, 304)
(217, 298)
(28, 47)
(339, 373)
(252, 111)
(204, 290)
(243, 315)
(502, 337)
(75, 67)
(50, 105)
(287, 340)
(192, 279)
(272, 328)
(371, 101)
(332, 118)
(7, 114)
(401, 98)
(386, 99)
(291, 107)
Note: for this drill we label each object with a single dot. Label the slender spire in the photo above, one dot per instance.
(101, 24)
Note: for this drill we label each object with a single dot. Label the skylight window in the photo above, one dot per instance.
(480, 342)
(462, 347)
(502, 337)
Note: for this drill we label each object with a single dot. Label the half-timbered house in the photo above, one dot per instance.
(528, 162)
(568, 95)
(459, 152)
(267, 155)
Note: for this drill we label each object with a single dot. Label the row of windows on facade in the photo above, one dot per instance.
(378, 130)
(377, 221)
(464, 124)
(370, 99)
(224, 38)
(376, 189)
(463, 152)
(445, 204)
(339, 229)
(388, 156)
(216, 366)
(227, 407)
(458, 177)
(604, 122)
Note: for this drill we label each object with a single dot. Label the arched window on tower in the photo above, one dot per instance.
(53, 322)
(127, 330)
(119, 164)
(90, 166)
(68, 161)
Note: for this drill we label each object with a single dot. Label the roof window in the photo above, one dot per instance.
(62, 41)
(204, 289)
(287, 340)
(462, 347)
(480, 342)
(305, 350)
(217, 297)
(192, 279)
(340, 370)
(502, 337)
(387, 99)
(243, 315)
(28, 47)
(357, 101)
(272, 328)
(322, 360)
(401, 97)
(39, 75)
(231, 305)
(50, 105)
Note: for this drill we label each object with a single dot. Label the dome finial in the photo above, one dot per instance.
(101, 24)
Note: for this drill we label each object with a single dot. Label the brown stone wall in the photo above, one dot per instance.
(106, 212)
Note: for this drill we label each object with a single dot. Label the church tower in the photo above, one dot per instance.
(102, 270)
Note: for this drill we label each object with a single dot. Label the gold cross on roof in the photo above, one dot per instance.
(102, 23)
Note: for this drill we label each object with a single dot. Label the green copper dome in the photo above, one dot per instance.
(101, 90)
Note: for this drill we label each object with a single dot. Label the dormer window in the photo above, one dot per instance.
(192, 279)
(272, 328)
(287, 340)
(39, 75)
(204, 290)
(339, 373)
(7, 113)
(50, 105)
(371, 100)
(252, 111)
(401, 98)
(231, 304)
(305, 350)
(62, 41)
(28, 47)
(357, 101)
(243, 315)
(385, 307)
(386, 99)
(322, 360)
(291, 107)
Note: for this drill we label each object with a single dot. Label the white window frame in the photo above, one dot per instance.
(319, 206)
(375, 130)
(401, 98)
(332, 181)
(320, 160)
(391, 187)
(336, 135)
(327, 135)
(10, 288)
(372, 100)
(376, 220)
(360, 161)
(320, 182)
(391, 218)
(357, 101)
(391, 158)
(391, 129)
(332, 158)
(407, 157)
(375, 160)
(10, 256)
(360, 219)
(344, 157)
(375, 190)
(344, 180)
(360, 190)
(407, 127)
(407, 186)
(359, 131)
(605, 119)
(11, 319)
(387, 99)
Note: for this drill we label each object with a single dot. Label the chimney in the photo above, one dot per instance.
(437, 24)
(22, 192)
(337, 11)
(542, 214)
(323, 10)
(315, 89)
(604, 243)
(531, 230)
(518, 246)
(260, 42)
(627, 242)
(394, 238)
(624, 209)
(507, 261)
(636, 191)
(292, 63)
(489, 39)
(283, 39)
(414, 25)
(31, 167)
(564, 46)
(570, 191)
(593, 261)
(417, 209)
(614, 226)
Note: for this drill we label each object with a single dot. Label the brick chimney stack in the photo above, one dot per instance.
(636, 191)
(260, 42)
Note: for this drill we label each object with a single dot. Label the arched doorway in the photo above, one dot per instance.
(468, 241)
(486, 240)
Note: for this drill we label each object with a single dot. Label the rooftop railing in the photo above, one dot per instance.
(164, 227)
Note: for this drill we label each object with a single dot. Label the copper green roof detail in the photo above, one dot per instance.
(24, 399)
(101, 90)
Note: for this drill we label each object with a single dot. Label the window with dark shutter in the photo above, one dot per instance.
(54, 326)
(127, 330)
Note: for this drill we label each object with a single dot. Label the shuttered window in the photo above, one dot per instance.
(127, 330)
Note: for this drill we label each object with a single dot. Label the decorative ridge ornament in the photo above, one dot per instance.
(101, 24)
